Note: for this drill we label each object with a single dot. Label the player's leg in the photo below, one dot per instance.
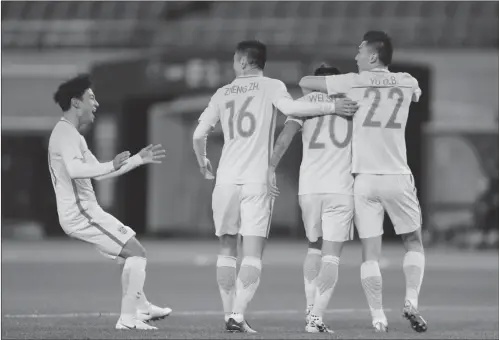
(368, 217)
(145, 310)
(402, 206)
(225, 205)
(311, 211)
(337, 226)
(256, 215)
(113, 239)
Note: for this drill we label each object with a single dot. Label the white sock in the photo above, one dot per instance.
(372, 284)
(226, 279)
(311, 268)
(143, 304)
(136, 267)
(246, 284)
(326, 281)
(414, 264)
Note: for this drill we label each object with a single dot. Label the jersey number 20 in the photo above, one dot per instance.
(314, 144)
(241, 114)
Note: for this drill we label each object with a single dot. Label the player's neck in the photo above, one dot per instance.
(252, 72)
(71, 117)
(377, 67)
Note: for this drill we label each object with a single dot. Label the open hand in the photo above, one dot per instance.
(120, 159)
(207, 170)
(345, 107)
(152, 154)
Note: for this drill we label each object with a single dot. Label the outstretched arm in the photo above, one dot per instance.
(289, 107)
(313, 83)
(130, 164)
(149, 154)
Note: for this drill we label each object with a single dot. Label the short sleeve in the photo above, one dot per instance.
(279, 92)
(339, 84)
(70, 147)
(211, 114)
(416, 94)
(295, 119)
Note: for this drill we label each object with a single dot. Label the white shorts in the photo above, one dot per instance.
(104, 231)
(395, 194)
(327, 215)
(242, 208)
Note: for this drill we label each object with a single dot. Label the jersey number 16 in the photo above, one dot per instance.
(241, 114)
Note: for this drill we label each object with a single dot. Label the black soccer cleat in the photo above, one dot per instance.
(238, 327)
(412, 314)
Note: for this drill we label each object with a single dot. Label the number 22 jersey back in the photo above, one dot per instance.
(378, 143)
(247, 114)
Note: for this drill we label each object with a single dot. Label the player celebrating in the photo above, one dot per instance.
(72, 166)
(325, 197)
(241, 200)
(383, 179)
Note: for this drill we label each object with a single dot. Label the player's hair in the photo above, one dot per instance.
(72, 88)
(382, 43)
(326, 70)
(255, 51)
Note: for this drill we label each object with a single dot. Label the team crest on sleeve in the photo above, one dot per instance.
(122, 230)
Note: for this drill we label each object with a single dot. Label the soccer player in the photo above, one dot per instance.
(72, 166)
(383, 179)
(325, 197)
(241, 202)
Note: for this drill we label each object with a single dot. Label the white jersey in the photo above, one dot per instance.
(73, 195)
(326, 165)
(246, 111)
(384, 97)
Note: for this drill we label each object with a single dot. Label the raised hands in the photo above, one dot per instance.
(120, 159)
(152, 154)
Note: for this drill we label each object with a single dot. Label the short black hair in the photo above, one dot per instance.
(72, 88)
(326, 70)
(255, 51)
(382, 43)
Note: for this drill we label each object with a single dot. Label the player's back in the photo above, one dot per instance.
(247, 116)
(72, 195)
(379, 125)
(327, 156)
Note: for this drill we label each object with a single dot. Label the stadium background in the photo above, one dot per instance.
(155, 66)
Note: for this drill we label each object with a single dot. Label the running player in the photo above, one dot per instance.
(325, 197)
(383, 179)
(241, 200)
(72, 166)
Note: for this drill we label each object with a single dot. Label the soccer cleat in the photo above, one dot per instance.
(412, 314)
(133, 324)
(316, 326)
(238, 327)
(153, 313)
(380, 327)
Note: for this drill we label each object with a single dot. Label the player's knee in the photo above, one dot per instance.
(133, 248)
(371, 249)
(413, 241)
(315, 244)
(332, 248)
(228, 245)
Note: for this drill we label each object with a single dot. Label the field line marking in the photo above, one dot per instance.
(261, 312)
